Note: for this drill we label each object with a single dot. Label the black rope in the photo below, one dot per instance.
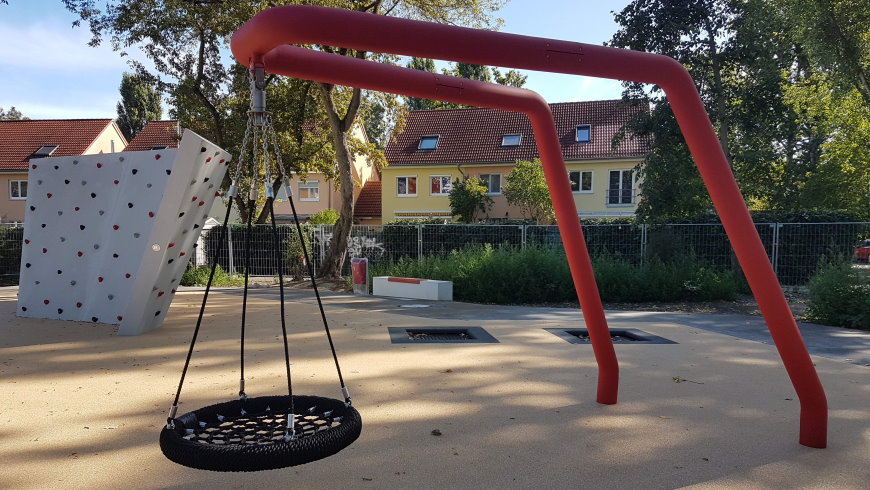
(214, 264)
(317, 294)
(277, 250)
(251, 205)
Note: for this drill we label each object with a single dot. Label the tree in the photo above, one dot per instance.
(184, 40)
(12, 114)
(468, 195)
(741, 57)
(836, 37)
(525, 186)
(139, 104)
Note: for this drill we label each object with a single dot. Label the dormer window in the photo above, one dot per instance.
(428, 142)
(511, 140)
(44, 151)
(153, 148)
(583, 133)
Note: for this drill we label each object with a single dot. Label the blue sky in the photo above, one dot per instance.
(49, 71)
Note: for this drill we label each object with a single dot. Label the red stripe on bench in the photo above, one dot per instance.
(409, 280)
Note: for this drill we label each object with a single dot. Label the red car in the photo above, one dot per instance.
(862, 251)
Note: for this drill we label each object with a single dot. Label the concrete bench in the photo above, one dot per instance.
(410, 287)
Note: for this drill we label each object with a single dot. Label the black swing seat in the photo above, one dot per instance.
(249, 434)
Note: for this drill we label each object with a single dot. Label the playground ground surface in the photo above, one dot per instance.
(82, 407)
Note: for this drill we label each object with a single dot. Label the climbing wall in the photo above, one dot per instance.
(107, 237)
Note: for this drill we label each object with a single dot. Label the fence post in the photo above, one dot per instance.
(230, 248)
(643, 239)
(523, 236)
(311, 233)
(775, 251)
(419, 242)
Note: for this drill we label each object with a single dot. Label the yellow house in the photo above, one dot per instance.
(23, 141)
(439, 146)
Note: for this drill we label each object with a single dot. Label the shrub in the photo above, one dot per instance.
(294, 256)
(326, 217)
(198, 276)
(535, 275)
(840, 295)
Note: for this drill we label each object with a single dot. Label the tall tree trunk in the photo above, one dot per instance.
(335, 254)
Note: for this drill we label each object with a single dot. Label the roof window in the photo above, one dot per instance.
(583, 133)
(44, 151)
(511, 140)
(158, 147)
(428, 142)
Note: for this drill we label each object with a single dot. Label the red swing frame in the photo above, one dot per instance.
(262, 43)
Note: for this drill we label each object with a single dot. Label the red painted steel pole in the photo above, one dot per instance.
(329, 68)
(316, 25)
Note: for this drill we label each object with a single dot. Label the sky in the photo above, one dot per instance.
(48, 71)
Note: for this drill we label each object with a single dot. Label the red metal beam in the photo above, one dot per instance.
(260, 42)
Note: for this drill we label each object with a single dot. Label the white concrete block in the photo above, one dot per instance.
(412, 288)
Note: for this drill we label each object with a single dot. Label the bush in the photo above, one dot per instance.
(328, 216)
(294, 256)
(198, 276)
(840, 295)
(535, 275)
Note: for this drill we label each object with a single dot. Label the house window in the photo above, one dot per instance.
(583, 133)
(511, 140)
(17, 189)
(428, 142)
(439, 185)
(619, 189)
(492, 183)
(406, 186)
(158, 148)
(309, 191)
(44, 151)
(581, 181)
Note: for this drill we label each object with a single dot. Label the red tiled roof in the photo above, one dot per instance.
(474, 135)
(156, 133)
(368, 204)
(20, 139)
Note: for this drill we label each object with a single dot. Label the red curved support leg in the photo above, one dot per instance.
(315, 25)
(311, 65)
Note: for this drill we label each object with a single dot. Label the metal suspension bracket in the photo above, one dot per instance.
(258, 96)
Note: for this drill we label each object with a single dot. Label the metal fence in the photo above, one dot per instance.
(11, 238)
(794, 249)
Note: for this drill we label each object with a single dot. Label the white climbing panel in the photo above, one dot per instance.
(107, 237)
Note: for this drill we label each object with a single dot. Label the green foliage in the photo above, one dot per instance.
(836, 38)
(294, 256)
(840, 295)
(10, 249)
(12, 114)
(198, 276)
(785, 83)
(467, 197)
(326, 217)
(839, 178)
(526, 187)
(535, 275)
(139, 104)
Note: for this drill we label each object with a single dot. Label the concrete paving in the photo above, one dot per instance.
(82, 407)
